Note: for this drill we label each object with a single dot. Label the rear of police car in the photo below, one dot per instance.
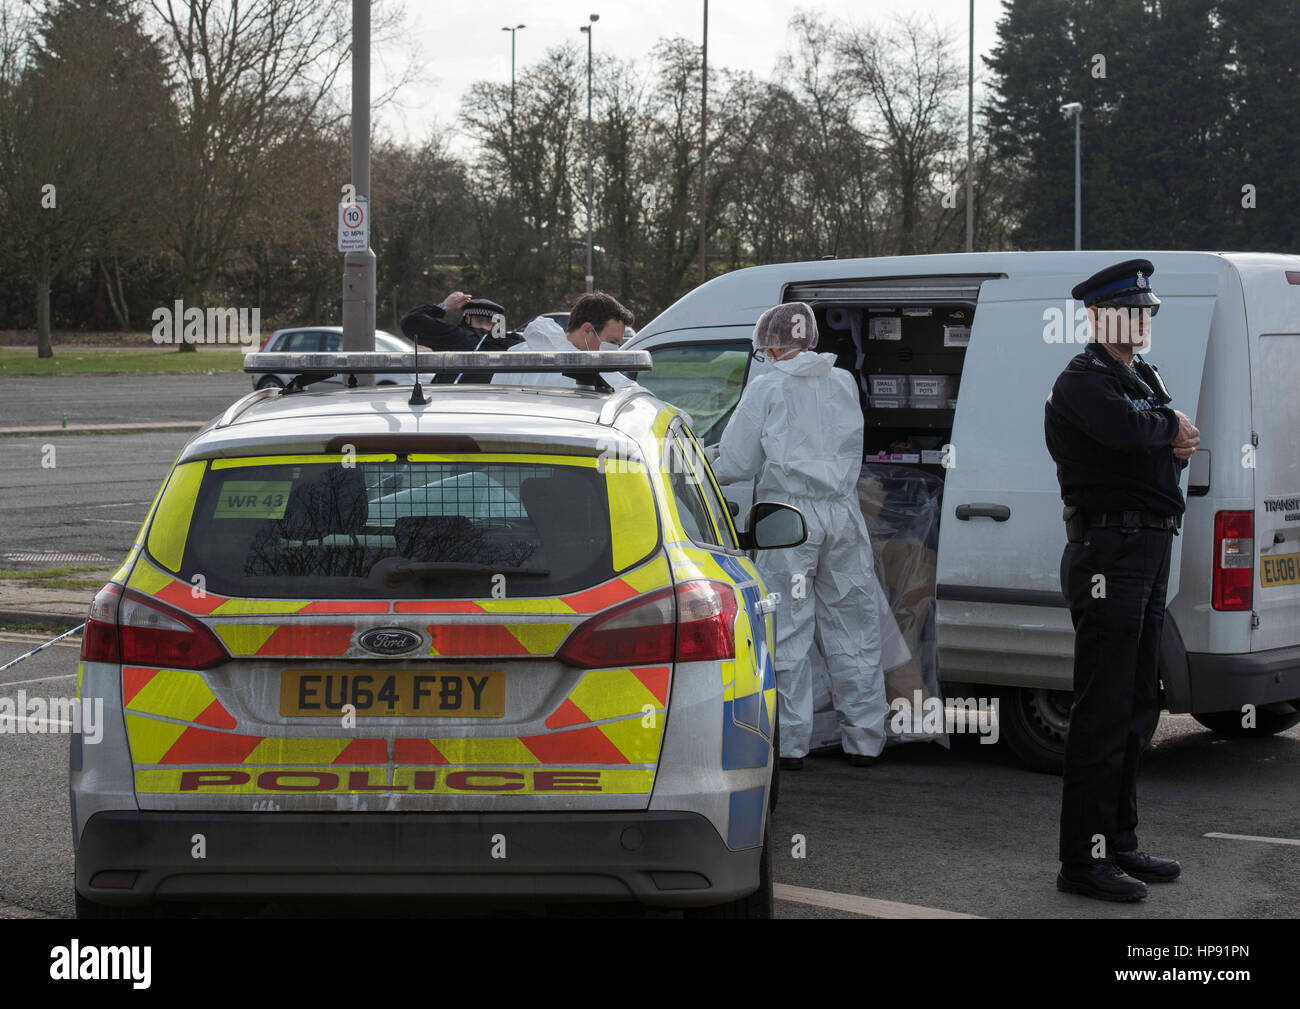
(369, 650)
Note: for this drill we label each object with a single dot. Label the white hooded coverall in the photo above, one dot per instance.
(545, 334)
(799, 430)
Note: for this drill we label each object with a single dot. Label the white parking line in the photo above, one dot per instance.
(41, 726)
(1254, 837)
(22, 639)
(39, 679)
(868, 906)
(116, 522)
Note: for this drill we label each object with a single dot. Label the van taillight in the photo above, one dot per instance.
(693, 622)
(1234, 560)
(127, 627)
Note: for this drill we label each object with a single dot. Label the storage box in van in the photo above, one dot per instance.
(1227, 343)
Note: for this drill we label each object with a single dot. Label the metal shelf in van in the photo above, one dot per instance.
(908, 417)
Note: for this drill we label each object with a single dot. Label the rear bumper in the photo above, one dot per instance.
(671, 859)
(1226, 682)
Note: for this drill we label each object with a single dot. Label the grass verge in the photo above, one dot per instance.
(114, 362)
(59, 578)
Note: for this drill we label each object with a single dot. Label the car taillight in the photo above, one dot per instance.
(693, 622)
(126, 627)
(706, 621)
(1234, 560)
(99, 637)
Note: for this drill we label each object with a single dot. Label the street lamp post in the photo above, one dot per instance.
(591, 279)
(511, 170)
(704, 139)
(512, 75)
(1075, 108)
(970, 133)
(359, 267)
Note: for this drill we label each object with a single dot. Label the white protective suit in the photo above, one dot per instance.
(545, 334)
(799, 430)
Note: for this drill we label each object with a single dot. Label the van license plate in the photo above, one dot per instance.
(1281, 570)
(466, 693)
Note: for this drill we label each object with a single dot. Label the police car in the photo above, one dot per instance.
(491, 642)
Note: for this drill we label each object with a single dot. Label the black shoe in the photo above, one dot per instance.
(1101, 879)
(861, 760)
(792, 763)
(1148, 868)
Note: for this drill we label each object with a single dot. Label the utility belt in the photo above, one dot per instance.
(1080, 520)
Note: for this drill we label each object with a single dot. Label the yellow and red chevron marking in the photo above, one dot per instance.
(602, 721)
(155, 742)
(612, 693)
(147, 578)
(293, 640)
(497, 639)
(173, 693)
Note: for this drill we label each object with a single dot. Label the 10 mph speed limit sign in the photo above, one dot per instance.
(354, 226)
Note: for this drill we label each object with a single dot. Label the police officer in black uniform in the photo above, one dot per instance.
(482, 327)
(1119, 450)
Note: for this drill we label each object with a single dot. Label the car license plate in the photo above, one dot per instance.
(466, 693)
(1281, 570)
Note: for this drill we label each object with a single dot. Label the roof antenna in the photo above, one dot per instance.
(417, 394)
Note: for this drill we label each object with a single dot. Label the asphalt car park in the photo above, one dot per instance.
(913, 836)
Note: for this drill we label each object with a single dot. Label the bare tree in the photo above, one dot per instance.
(911, 81)
(254, 78)
(80, 86)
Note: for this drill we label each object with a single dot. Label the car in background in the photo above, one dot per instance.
(314, 339)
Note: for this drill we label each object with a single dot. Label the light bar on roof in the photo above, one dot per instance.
(369, 362)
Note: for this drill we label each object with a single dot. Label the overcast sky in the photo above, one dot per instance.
(459, 43)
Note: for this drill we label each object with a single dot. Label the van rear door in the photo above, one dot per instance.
(1271, 285)
(1001, 617)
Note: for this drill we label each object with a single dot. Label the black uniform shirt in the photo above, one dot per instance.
(425, 326)
(1111, 438)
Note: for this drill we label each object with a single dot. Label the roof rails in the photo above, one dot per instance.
(583, 366)
(240, 405)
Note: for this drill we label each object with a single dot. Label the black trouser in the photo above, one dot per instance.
(1118, 619)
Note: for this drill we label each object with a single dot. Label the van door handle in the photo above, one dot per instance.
(770, 603)
(997, 512)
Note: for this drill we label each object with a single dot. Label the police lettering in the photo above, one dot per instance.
(374, 780)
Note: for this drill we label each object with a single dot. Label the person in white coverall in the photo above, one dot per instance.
(798, 428)
(596, 322)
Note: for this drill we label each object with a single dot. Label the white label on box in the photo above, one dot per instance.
(956, 336)
(886, 327)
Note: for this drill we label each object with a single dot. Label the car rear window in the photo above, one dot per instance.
(419, 527)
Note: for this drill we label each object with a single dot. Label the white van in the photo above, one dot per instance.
(959, 352)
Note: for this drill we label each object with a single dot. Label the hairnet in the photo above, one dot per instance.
(785, 326)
